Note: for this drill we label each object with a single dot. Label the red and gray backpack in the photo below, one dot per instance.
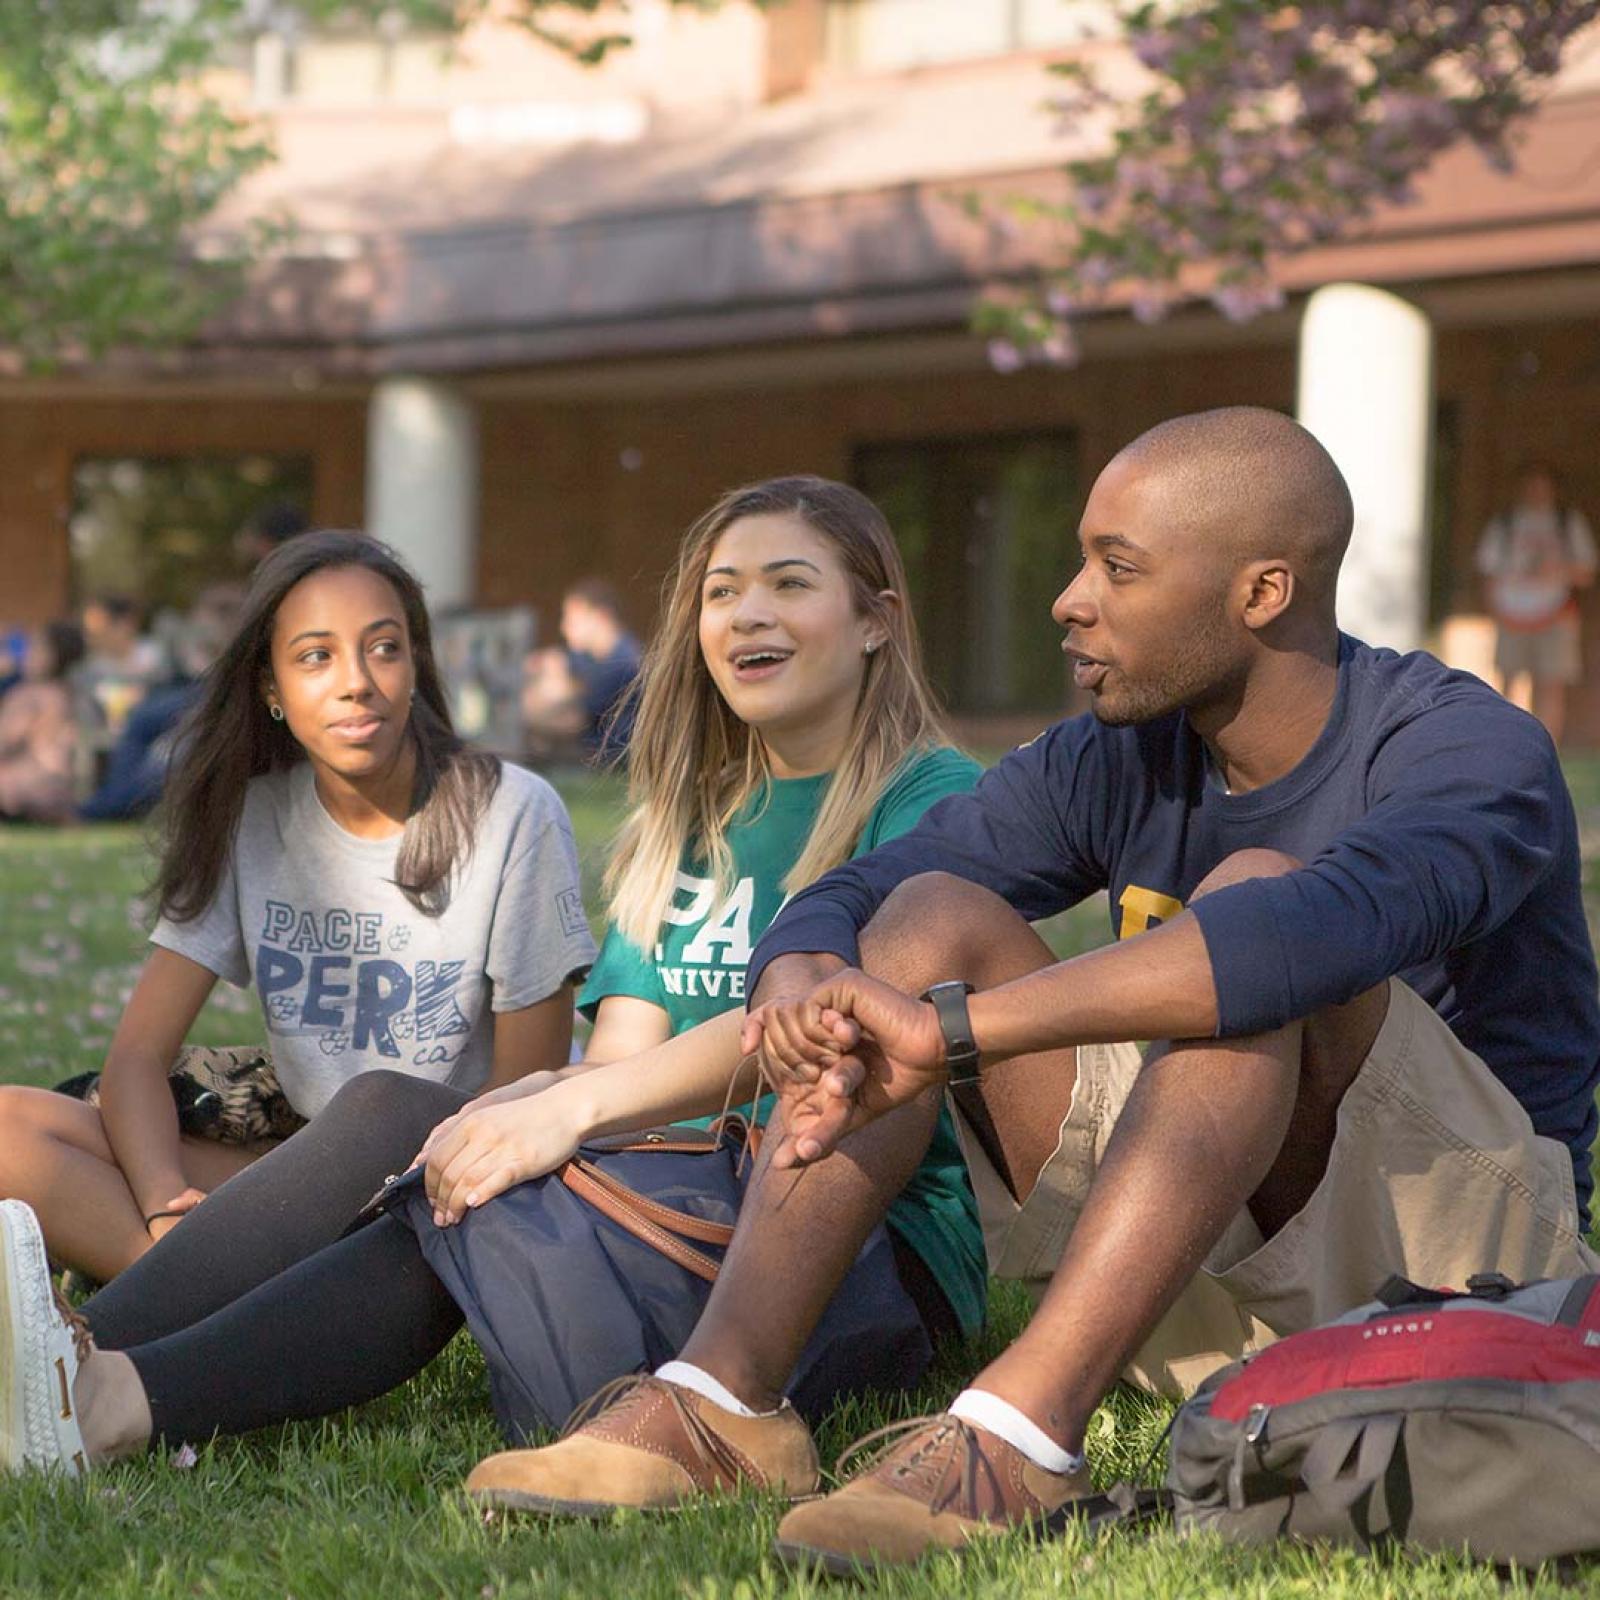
(1431, 1418)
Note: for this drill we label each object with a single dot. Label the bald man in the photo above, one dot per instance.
(1345, 886)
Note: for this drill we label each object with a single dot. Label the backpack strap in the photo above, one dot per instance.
(1123, 1505)
(1347, 1457)
(1577, 1300)
(1396, 1291)
(1358, 1466)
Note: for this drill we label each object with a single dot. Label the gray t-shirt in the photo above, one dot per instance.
(351, 975)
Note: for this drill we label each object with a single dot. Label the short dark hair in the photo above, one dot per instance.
(65, 639)
(1539, 467)
(600, 593)
(277, 522)
(119, 607)
(1264, 477)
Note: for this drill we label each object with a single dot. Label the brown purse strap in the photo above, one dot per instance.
(680, 1222)
(629, 1209)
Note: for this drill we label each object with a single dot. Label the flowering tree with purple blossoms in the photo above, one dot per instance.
(1268, 126)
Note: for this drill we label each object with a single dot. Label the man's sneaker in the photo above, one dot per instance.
(650, 1446)
(937, 1483)
(42, 1343)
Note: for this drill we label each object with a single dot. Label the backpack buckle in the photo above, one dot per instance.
(1255, 1424)
(1489, 1285)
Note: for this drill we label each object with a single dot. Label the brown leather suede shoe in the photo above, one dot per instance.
(651, 1446)
(937, 1483)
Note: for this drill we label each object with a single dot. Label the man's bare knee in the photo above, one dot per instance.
(936, 926)
(1243, 865)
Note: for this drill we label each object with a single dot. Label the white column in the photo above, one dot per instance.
(1366, 391)
(422, 484)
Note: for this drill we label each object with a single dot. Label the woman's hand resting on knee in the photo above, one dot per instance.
(484, 1149)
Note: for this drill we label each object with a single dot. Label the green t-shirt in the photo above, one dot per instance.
(697, 971)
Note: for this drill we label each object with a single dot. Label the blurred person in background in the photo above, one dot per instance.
(13, 649)
(136, 769)
(1534, 556)
(265, 529)
(120, 662)
(39, 730)
(582, 693)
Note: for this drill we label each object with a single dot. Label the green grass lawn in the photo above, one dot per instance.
(367, 1505)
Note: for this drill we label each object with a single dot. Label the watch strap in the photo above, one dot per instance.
(949, 1002)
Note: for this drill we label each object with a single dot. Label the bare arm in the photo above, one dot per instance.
(1157, 986)
(625, 1026)
(486, 1149)
(534, 1039)
(136, 1107)
(693, 1074)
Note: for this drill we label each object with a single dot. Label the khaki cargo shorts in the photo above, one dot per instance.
(1435, 1173)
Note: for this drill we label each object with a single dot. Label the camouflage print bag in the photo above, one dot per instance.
(224, 1092)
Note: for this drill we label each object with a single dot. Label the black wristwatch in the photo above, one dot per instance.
(949, 1002)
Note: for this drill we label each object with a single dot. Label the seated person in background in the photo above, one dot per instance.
(582, 692)
(120, 663)
(38, 731)
(265, 529)
(136, 769)
(13, 647)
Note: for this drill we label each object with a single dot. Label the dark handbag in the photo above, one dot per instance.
(603, 1266)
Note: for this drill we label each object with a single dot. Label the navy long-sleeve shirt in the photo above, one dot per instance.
(1438, 840)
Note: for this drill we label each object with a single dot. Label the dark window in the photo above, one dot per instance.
(988, 529)
(160, 529)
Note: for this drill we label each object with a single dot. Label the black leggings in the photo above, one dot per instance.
(260, 1307)
(255, 1310)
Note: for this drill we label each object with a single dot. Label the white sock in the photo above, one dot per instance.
(1002, 1419)
(688, 1376)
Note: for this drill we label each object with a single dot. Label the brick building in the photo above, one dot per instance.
(537, 316)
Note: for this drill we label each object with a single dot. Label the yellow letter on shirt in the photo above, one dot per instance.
(1141, 907)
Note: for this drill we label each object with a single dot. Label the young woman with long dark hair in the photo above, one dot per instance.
(398, 900)
(783, 724)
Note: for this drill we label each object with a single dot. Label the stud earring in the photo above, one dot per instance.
(275, 712)
(869, 647)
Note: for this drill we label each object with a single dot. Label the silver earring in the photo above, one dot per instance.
(276, 713)
(869, 647)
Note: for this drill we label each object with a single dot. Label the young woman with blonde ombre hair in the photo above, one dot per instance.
(783, 725)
